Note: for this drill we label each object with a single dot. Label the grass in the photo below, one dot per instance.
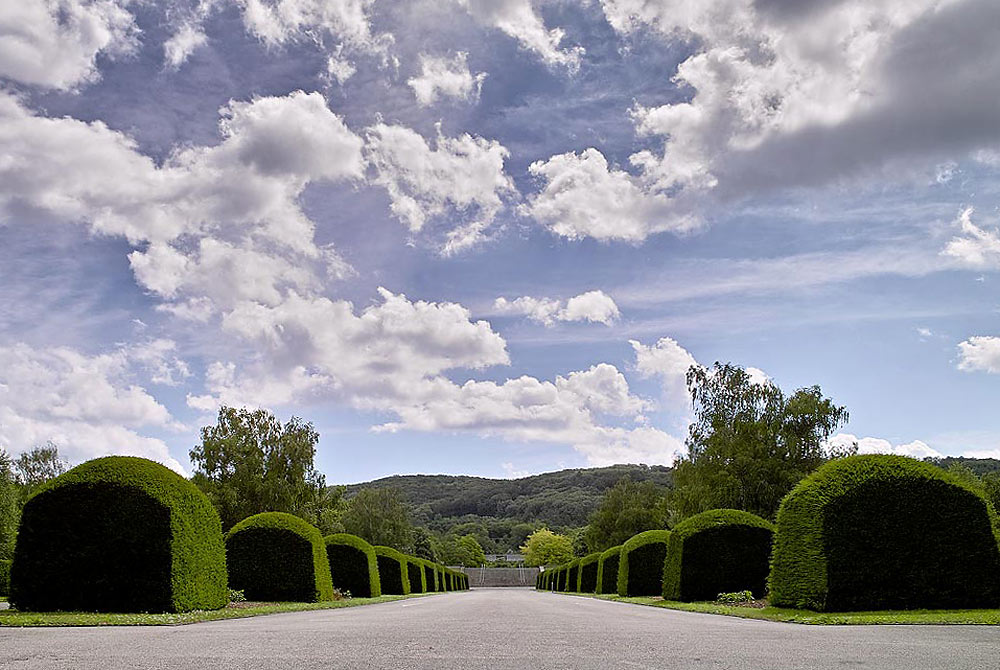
(13, 618)
(782, 614)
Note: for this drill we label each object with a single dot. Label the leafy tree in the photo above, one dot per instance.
(249, 463)
(749, 444)
(543, 547)
(472, 552)
(380, 517)
(326, 511)
(423, 546)
(10, 511)
(34, 468)
(626, 509)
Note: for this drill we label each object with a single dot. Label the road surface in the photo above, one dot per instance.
(501, 629)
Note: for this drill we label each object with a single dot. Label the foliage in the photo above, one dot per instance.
(640, 566)
(119, 534)
(37, 466)
(473, 554)
(749, 444)
(543, 547)
(430, 574)
(607, 570)
(4, 577)
(392, 571)
(573, 576)
(735, 597)
(415, 572)
(880, 531)
(353, 565)
(715, 551)
(278, 556)
(588, 573)
(423, 544)
(380, 517)
(10, 511)
(626, 509)
(249, 463)
(237, 596)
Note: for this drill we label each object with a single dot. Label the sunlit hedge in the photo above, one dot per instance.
(353, 565)
(640, 568)
(572, 575)
(587, 582)
(415, 571)
(607, 570)
(392, 571)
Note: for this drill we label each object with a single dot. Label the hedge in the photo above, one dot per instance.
(278, 556)
(119, 534)
(607, 570)
(4, 578)
(572, 572)
(884, 532)
(441, 581)
(392, 571)
(587, 580)
(719, 551)
(640, 566)
(415, 571)
(430, 574)
(353, 565)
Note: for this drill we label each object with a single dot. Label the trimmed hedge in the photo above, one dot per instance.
(587, 581)
(572, 572)
(4, 578)
(441, 580)
(119, 534)
(392, 571)
(430, 574)
(278, 556)
(353, 565)
(640, 567)
(884, 532)
(607, 570)
(718, 551)
(415, 571)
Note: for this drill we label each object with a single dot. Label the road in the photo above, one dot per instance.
(500, 629)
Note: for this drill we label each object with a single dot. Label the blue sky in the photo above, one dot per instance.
(489, 237)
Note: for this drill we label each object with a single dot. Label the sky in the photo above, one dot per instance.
(490, 236)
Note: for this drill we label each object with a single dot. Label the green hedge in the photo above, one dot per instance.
(415, 571)
(430, 574)
(441, 580)
(276, 556)
(640, 567)
(353, 565)
(119, 534)
(884, 532)
(607, 570)
(587, 581)
(4, 578)
(392, 571)
(719, 551)
(572, 572)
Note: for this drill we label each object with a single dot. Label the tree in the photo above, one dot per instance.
(249, 463)
(423, 544)
(749, 444)
(10, 510)
(626, 510)
(380, 517)
(472, 552)
(543, 547)
(34, 468)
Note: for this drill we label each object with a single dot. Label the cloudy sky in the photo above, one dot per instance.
(489, 236)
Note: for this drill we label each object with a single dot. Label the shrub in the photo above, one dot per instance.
(717, 551)
(4, 578)
(439, 570)
(353, 565)
(237, 596)
(572, 572)
(607, 570)
(415, 571)
(392, 571)
(278, 556)
(587, 582)
(735, 597)
(640, 566)
(119, 534)
(884, 532)
(561, 578)
(430, 574)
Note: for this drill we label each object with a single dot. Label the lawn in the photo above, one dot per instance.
(234, 611)
(981, 617)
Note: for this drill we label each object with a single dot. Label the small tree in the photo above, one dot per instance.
(423, 546)
(626, 509)
(34, 468)
(472, 552)
(10, 511)
(543, 547)
(379, 516)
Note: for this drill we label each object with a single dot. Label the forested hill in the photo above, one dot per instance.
(557, 499)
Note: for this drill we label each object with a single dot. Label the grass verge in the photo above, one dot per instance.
(980, 617)
(13, 618)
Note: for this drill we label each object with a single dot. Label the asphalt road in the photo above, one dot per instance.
(501, 629)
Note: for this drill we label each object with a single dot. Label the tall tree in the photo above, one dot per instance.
(626, 509)
(10, 510)
(423, 544)
(543, 547)
(37, 466)
(250, 463)
(379, 516)
(749, 444)
(472, 552)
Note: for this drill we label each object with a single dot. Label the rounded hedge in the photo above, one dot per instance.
(884, 532)
(119, 534)
(392, 571)
(430, 574)
(640, 566)
(572, 574)
(353, 565)
(278, 556)
(718, 551)
(415, 571)
(441, 582)
(607, 570)
(587, 581)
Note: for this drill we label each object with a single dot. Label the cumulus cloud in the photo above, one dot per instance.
(979, 354)
(55, 43)
(976, 247)
(445, 78)
(179, 47)
(518, 19)
(669, 362)
(593, 306)
(874, 445)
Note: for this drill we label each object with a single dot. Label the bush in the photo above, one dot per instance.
(640, 566)
(735, 597)
(439, 571)
(588, 573)
(353, 565)
(236, 596)
(884, 532)
(430, 574)
(607, 570)
(415, 571)
(717, 551)
(278, 556)
(4, 578)
(119, 534)
(572, 575)
(392, 571)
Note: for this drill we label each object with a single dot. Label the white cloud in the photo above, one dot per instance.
(55, 43)
(976, 247)
(980, 353)
(874, 445)
(592, 306)
(461, 177)
(445, 78)
(669, 362)
(982, 453)
(179, 47)
(518, 19)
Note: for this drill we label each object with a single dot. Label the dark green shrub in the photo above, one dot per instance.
(572, 572)
(587, 582)
(561, 578)
(607, 570)
(4, 578)
(430, 574)
(441, 585)
(392, 571)
(884, 532)
(640, 566)
(119, 534)
(722, 550)
(415, 571)
(278, 556)
(353, 565)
